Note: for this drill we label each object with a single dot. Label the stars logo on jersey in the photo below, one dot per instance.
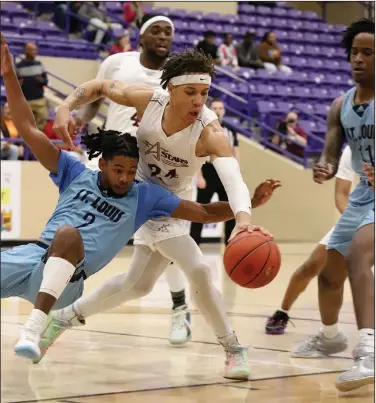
(163, 228)
(161, 154)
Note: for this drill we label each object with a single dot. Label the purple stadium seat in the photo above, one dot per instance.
(321, 110)
(304, 108)
(113, 6)
(246, 73)
(261, 10)
(13, 9)
(279, 12)
(309, 15)
(284, 92)
(178, 14)
(246, 8)
(294, 13)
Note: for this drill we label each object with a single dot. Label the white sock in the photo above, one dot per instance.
(367, 336)
(330, 332)
(57, 273)
(284, 310)
(36, 320)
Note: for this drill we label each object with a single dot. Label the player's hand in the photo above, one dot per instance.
(6, 57)
(201, 182)
(264, 192)
(249, 228)
(370, 173)
(322, 172)
(64, 126)
(79, 124)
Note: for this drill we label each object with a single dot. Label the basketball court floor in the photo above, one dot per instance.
(123, 355)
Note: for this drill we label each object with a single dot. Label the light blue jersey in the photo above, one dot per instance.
(358, 123)
(105, 223)
(359, 127)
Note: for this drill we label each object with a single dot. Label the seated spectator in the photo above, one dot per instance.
(133, 13)
(208, 46)
(91, 10)
(247, 53)
(122, 44)
(208, 181)
(33, 78)
(60, 11)
(289, 126)
(78, 152)
(227, 52)
(9, 150)
(270, 53)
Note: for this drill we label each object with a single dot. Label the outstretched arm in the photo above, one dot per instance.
(221, 211)
(137, 96)
(215, 143)
(23, 118)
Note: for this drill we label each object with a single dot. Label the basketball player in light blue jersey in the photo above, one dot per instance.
(96, 215)
(351, 246)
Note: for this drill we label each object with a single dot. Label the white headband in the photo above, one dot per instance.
(153, 20)
(191, 79)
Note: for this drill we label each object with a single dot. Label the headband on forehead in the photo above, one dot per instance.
(157, 18)
(191, 79)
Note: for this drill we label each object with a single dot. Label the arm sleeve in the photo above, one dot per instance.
(68, 169)
(345, 170)
(153, 202)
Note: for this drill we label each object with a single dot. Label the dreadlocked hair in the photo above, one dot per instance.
(190, 61)
(110, 143)
(358, 27)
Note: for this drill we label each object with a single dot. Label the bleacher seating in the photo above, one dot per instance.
(310, 46)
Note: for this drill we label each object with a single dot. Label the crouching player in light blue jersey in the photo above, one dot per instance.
(351, 247)
(96, 215)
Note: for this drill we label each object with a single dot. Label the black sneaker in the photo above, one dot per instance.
(277, 323)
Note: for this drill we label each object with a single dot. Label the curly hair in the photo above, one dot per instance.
(358, 27)
(110, 143)
(190, 61)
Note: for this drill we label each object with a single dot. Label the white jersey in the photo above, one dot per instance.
(169, 161)
(127, 68)
(345, 170)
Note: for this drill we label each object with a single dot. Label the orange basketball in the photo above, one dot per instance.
(252, 260)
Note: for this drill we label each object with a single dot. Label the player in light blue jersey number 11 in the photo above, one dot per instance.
(96, 215)
(351, 247)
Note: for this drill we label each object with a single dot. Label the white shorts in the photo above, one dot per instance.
(325, 240)
(160, 229)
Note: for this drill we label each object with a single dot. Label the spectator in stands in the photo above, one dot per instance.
(270, 53)
(33, 78)
(247, 53)
(289, 126)
(60, 11)
(91, 10)
(208, 181)
(122, 44)
(133, 13)
(9, 150)
(208, 46)
(78, 152)
(227, 52)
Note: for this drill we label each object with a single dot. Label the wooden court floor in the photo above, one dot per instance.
(124, 356)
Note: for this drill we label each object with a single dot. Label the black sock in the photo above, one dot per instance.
(178, 298)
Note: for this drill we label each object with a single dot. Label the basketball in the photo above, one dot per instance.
(252, 260)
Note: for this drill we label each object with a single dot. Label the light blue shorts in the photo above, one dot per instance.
(359, 213)
(22, 273)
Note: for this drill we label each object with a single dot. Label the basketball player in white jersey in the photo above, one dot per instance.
(177, 133)
(277, 323)
(156, 35)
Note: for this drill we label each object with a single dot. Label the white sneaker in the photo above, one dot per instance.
(59, 322)
(181, 331)
(236, 364)
(28, 345)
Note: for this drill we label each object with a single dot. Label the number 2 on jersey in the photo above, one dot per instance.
(89, 218)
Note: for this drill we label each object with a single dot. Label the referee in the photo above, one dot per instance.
(208, 181)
